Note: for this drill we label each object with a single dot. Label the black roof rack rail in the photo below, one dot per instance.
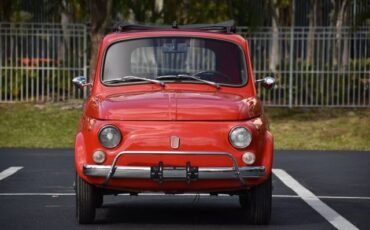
(223, 27)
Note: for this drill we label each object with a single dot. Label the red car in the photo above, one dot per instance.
(174, 110)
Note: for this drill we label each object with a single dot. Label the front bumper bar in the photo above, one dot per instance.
(187, 173)
(204, 173)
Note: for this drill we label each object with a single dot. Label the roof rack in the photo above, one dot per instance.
(223, 27)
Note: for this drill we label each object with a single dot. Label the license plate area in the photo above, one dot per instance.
(160, 173)
(174, 173)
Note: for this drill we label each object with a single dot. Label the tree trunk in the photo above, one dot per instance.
(101, 11)
(65, 19)
(157, 11)
(274, 50)
(345, 37)
(339, 15)
(311, 32)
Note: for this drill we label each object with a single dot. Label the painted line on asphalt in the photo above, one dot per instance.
(345, 197)
(186, 194)
(37, 194)
(324, 210)
(327, 197)
(9, 171)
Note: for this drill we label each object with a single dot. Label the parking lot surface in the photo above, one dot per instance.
(312, 190)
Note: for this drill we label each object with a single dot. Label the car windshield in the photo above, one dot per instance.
(170, 58)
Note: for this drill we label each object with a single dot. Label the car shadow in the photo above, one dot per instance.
(202, 212)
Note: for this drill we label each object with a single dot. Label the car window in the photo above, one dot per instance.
(212, 60)
(152, 61)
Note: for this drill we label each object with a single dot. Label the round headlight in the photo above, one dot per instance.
(249, 158)
(99, 156)
(109, 136)
(240, 137)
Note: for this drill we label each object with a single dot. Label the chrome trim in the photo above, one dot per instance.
(80, 82)
(121, 171)
(143, 172)
(204, 173)
(267, 82)
(175, 142)
(232, 158)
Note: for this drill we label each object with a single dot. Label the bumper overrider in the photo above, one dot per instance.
(162, 173)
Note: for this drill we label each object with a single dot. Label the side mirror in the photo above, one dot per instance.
(80, 82)
(267, 82)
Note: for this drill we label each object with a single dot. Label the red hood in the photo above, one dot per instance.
(175, 105)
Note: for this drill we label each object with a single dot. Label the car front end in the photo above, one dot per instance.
(176, 112)
(174, 156)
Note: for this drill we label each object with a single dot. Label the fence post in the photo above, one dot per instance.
(291, 57)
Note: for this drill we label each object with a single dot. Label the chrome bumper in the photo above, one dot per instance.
(204, 173)
(161, 173)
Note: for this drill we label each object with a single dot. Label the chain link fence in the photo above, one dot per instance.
(314, 67)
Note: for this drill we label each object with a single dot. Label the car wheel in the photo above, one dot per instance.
(257, 203)
(99, 200)
(86, 199)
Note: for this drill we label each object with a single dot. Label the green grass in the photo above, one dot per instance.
(44, 126)
(320, 129)
(54, 126)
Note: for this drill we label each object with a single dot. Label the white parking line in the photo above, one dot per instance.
(324, 210)
(327, 197)
(345, 197)
(37, 194)
(9, 171)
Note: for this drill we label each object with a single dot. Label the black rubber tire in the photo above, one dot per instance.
(86, 199)
(99, 200)
(256, 203)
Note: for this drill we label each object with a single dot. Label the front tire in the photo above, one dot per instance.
(99, 200)
(86, 200)
(257, 203)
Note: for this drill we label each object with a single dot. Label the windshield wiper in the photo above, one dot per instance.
(182, 76)
(126, 78)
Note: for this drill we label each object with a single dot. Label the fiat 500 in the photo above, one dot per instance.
(174, 110)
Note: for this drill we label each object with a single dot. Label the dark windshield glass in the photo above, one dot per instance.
(212, 60)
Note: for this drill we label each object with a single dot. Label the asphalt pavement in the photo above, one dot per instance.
(312, 190)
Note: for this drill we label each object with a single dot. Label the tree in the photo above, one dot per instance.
(145, 10)
(5, 10)
(311, 31)
(362, 14)
(338, 19)
(195, 11)
(274, 49)
(100, 14)
(249, 13)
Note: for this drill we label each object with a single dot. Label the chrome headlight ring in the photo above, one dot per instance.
(109, 136)
(240, 137)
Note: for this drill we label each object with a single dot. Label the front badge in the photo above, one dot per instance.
(175, 142)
